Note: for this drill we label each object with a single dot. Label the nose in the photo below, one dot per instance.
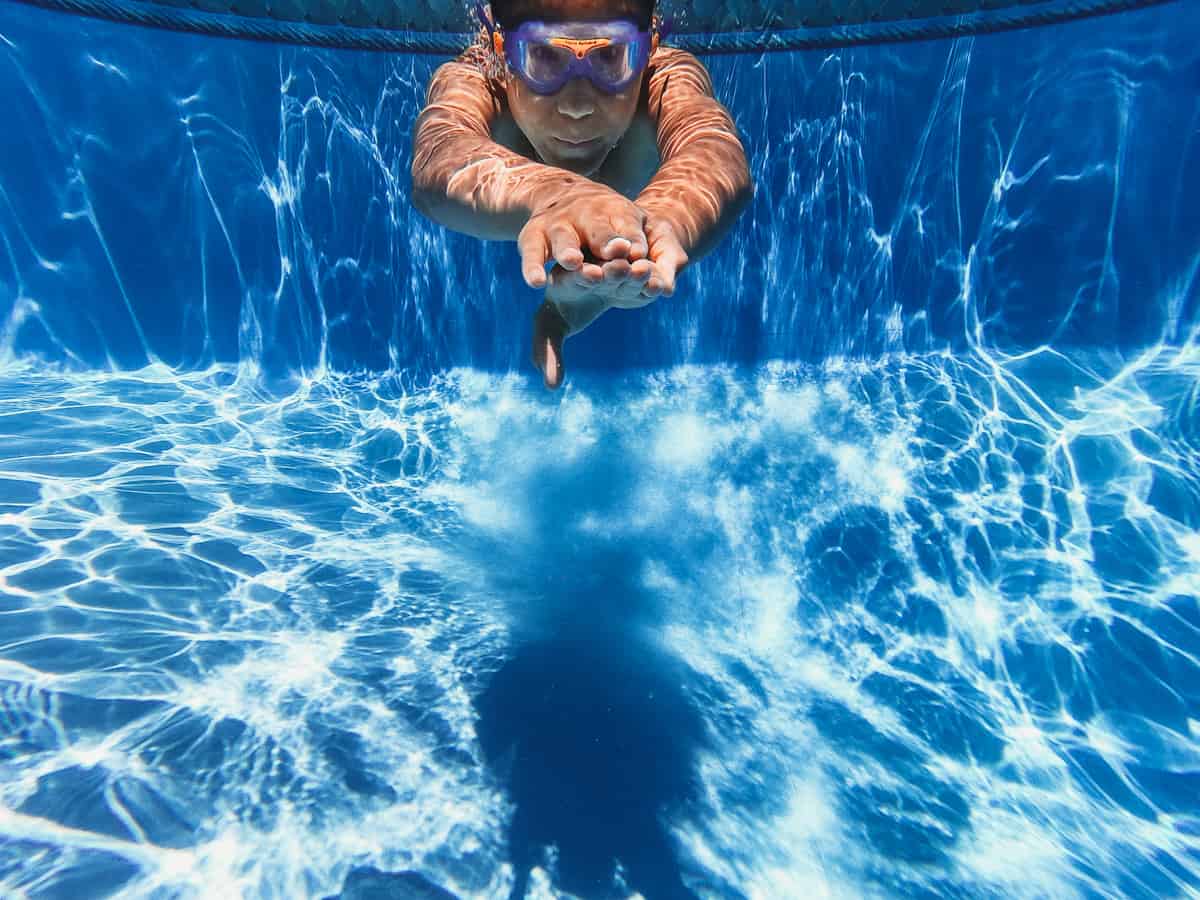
(576, 100)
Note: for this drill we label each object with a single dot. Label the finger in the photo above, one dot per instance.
(671, 259)
(630, 293)
(640, 248)
(616, 270)
(589, 273)
(631, 229)
(630, 238)
(602, 241)
(666, 276)
(564, 244)
(613, 238)
(653, 286)
(616, 248)
(676, 262)
(641, 270)
(531, 244)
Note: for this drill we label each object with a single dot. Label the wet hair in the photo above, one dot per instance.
(511, 13)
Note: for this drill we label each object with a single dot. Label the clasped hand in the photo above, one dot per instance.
(607, 252)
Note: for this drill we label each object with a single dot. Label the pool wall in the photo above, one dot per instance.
(168, 197)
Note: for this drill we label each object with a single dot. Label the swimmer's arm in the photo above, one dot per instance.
(461, 178)
(703, 183)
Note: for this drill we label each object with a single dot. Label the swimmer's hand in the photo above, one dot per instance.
(665, 250)
(575, 299)
(580, 221)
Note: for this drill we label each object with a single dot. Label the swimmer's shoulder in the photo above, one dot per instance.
(478, 63)
(464, 90)
(672, 75)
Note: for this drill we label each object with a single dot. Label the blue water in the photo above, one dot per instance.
(867, 566)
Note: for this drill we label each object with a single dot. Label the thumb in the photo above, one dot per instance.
(669, 264)
(669, 258)
(667, 253)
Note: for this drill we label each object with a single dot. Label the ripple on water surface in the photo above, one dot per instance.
(924, 627)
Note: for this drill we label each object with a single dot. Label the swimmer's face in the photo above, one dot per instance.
(577, 127)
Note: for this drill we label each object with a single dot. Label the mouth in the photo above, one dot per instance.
(577, 146)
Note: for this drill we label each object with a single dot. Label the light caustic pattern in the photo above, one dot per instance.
(930, 625)
(215, 202)
(922, 626)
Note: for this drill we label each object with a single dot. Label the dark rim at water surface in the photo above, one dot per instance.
(850, 30)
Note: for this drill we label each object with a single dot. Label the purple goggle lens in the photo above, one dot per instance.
(610, 55)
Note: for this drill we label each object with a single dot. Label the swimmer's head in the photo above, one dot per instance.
(574, 79)
(511, 13)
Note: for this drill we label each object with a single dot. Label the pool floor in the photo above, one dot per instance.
(921, 627)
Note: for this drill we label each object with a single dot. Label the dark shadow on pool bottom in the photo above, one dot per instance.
(589, 724)
(596, 740)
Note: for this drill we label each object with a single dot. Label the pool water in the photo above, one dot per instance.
(868, 566)
(852, 630)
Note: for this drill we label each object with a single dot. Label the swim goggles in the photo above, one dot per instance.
(611, 55)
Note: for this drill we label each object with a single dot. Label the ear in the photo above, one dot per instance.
(492, 36)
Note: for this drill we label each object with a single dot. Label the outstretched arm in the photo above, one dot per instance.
(702, 185)
(704, 182)
(461, 178)
(466, 181)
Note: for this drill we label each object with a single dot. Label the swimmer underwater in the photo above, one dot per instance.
(571, 131)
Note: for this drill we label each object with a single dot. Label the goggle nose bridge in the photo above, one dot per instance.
(581, 47)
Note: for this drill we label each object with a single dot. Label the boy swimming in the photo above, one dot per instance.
(571, 131)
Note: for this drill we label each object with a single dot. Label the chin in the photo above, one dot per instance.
(580, 165)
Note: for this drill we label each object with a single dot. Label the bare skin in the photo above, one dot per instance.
(619, 191)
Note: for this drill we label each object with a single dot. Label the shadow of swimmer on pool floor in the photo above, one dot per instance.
(588, 723)
(595, 740)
